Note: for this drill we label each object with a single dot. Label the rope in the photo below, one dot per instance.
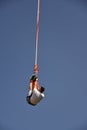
(37, 30)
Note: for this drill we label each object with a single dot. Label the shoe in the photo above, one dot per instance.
(34, 77)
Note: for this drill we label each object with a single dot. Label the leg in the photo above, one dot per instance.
(30, 88)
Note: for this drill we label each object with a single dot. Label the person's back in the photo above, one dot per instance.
(35, 97)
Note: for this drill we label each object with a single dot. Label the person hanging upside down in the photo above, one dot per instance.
(34, 84)
(34, 87)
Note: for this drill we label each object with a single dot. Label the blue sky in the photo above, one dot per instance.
(62, 64)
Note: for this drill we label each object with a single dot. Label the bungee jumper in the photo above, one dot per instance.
(35, 92)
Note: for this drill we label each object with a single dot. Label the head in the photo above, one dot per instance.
(42, 89)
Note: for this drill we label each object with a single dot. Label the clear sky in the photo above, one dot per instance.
(62, 64)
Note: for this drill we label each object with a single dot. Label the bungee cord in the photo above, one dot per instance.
(37, 31)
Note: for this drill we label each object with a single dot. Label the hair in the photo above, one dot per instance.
(42, 89)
